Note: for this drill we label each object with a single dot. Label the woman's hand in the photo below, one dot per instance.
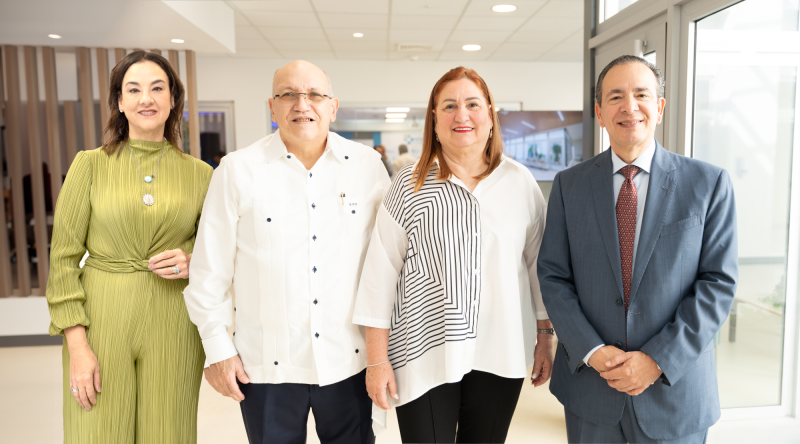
(542, 355)
(84, 370)
(163, 264)
(379, 378)
(542, 359)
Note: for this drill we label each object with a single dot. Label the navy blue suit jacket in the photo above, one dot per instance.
(682, 287)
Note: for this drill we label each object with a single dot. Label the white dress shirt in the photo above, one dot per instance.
(452, 275)
(641, 180)
(289, 243)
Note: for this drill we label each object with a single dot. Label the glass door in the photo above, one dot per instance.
(745, 97)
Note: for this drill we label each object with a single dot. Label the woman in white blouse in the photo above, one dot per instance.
(449, 294)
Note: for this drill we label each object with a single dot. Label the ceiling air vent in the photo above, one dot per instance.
(401, 47)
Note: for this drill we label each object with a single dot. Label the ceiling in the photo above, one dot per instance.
(206, 26)
(539, 30)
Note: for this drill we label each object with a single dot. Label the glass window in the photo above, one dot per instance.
(744, 120)
(609, 8)
(217, 136)
(651, 57)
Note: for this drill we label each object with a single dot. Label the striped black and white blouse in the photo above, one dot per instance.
(452, 275)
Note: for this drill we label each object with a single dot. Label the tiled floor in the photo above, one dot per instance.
(30, 410)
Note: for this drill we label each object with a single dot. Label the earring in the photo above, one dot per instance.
(490, 132)
(437, 136)
(120, 110)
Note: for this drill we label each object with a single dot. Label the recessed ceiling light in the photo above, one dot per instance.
(471, 47)
(395, 120)
(177, 40)
(504, 8)
(398, 110)
(396, 115)
(358, 34)
(54, 36)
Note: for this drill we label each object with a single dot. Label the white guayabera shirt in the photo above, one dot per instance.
(452, 275)
(290, 244)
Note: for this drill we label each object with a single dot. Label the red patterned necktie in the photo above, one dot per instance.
(627, 202)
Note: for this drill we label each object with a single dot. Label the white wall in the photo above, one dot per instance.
(248, 83)
(24, 316)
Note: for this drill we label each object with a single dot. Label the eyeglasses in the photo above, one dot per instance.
(291, 97)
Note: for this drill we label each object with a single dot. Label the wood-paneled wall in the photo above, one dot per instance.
(87, 98)
(102, 84)
(194, 114)
(14, 155)
(53, 122)
(18, 278)
(39, 221)
(5, 266)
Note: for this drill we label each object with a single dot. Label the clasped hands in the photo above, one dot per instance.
(628, 372)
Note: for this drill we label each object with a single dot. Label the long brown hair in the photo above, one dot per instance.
(432, 148)
(115, 132)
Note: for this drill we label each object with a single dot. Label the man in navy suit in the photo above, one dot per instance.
(638, 270)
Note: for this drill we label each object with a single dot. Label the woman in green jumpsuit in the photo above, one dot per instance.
(132, 359)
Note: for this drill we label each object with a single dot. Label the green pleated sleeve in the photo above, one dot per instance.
(65, 294)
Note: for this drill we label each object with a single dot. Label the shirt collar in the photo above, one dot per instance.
(643, 161)
(277, 148)
(502, 161)
(458, 181)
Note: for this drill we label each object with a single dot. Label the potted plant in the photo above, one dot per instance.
(556, 151)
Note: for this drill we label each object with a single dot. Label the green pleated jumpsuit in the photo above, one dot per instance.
(149, 352)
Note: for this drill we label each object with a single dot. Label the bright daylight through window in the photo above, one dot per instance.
(609, 8)
(744, 121)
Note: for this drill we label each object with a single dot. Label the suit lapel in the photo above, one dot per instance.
(603, 193)
(660, 193)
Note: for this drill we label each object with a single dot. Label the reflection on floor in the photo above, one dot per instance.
(30, 410)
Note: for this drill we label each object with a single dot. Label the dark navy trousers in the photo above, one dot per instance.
(278, 413)
(627, 430)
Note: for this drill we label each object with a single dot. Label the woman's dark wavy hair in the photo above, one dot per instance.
(115, 132)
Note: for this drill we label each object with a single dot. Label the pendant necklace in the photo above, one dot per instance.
(148, 198)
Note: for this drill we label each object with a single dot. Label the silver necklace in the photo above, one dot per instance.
(148, 198)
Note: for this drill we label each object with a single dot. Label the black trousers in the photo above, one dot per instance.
(478, 409)
(278, 413)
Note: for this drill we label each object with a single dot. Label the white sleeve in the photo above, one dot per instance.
(378, 286)
(531, 252)
(589, 355)
(208, 296)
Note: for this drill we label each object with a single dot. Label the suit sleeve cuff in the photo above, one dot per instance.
(219, 348)
(589, 355)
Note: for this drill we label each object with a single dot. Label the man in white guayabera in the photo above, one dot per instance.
(285, 227)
